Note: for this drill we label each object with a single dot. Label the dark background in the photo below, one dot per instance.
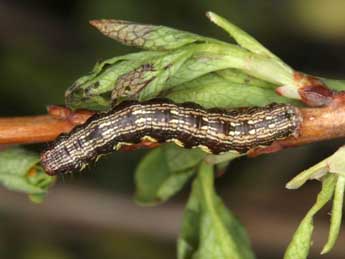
(46, 45)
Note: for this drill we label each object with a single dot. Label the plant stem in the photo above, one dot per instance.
(317, 124)
(43, 128)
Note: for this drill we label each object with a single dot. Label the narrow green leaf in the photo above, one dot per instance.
(163, 172)
(19, 171)
(240, 36)
(313, 172)
(147, 36)
(248, 42)
(337, 212)
(209, 229)
(333, 164)
(302, 239)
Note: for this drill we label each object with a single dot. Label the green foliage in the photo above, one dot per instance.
(301, 241)
(213, 90)
(164, 171)
(209, 229)
(187, 67)
(93, 91)
(182, 61)
(331, 171)
(332, 164)
(336, 215)
(19, 171)
(241, 37)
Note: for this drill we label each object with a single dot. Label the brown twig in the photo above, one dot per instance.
(318, 124)
(44, 128)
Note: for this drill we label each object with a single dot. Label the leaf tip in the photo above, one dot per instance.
(209, 15)
(96, 23)
(288, 91)
(107, 26)
(326, 249)
(212, 16)
(291, 186)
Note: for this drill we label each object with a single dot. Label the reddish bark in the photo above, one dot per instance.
(43, 128)
(317, 124)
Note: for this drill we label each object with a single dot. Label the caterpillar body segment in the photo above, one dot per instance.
(188, 125)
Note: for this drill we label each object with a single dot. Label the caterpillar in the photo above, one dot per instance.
(188, 125)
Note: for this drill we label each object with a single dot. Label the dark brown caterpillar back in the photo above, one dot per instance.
(187, 125)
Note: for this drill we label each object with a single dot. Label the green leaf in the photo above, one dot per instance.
(238, 76)
(240, 36)
(170, 70)
(281, 72)
(300, 244)
(213, 90)
(17, 161)
(164, 171)
(19, 171)
(147, 36)
(259, 61)
(337, 211)
(209, 229)
(207, 58)
(93, 91)
(165, 67)
(211, 57)
(222, 158)
(333, 164)
(314, 172)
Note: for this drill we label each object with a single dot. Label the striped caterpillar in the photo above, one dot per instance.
(187, 125)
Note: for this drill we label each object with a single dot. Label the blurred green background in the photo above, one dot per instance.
(46, 45)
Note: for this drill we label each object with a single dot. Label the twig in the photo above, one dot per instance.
(43, 128)
(317, 124)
